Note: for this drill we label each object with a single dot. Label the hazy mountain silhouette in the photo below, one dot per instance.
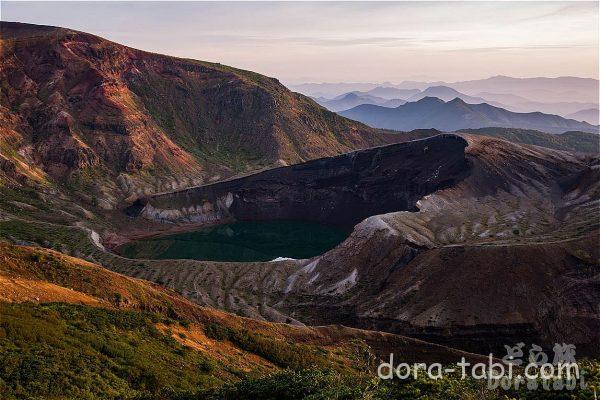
(431, 112)
(353, 99)
(520, 104)
(590, 115)
(545, 90)
(393, 93)
(520, 94)
(447, 93)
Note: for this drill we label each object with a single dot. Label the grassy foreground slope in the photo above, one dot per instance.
(72, 330)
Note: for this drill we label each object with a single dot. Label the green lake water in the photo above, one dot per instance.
(241, 241)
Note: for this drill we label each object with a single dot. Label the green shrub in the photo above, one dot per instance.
(299, 385)
(279, 352)
(217, 332)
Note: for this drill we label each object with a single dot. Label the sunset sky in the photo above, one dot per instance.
(340, 41)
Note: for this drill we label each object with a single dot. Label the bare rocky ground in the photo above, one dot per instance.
(509, 253)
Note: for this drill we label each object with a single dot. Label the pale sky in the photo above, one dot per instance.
(351, 42)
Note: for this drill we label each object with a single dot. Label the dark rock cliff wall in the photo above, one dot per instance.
(339, 190)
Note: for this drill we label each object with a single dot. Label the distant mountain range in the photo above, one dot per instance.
(392, 97)
(562, 96)
(520, 104)
(393, 93)
(566, 88)
(447, 93)
(353, 99)
(545, 90)
(431, 112)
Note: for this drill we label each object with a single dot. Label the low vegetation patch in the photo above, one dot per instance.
(279, 352)
(60, 351)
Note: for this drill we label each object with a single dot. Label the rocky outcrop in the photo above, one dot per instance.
(508, 254)
(475, 297)
(341, 190)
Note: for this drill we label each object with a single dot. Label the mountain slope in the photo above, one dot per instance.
(88, 110)
(454, 115)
